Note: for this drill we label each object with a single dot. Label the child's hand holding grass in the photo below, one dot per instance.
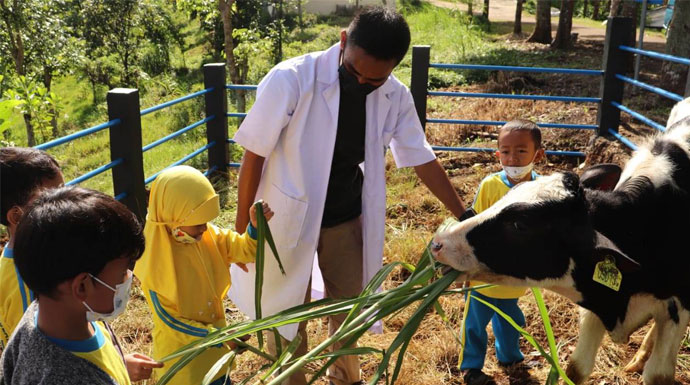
(268, 213)
(139, 366)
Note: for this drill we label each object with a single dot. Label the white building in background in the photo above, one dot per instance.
(325, 7)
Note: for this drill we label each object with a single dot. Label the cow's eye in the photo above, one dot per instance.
(519, 226)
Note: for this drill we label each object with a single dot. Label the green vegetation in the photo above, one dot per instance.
(82, 99)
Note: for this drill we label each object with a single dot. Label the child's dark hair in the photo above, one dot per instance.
(524, 125)
(381, 32)
(22, 171)
(72, 230)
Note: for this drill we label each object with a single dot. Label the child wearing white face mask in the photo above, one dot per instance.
(519, 147)
(75, 249)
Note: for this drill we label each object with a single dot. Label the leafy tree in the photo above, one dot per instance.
(122, 29)
(37, 104)
(39, 43)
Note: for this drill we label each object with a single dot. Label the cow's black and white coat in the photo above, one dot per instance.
(552, 231)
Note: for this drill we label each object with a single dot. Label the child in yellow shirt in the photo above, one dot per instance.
(519, 147)
(184, 271)
(24, 172)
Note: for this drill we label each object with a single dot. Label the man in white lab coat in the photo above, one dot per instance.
(315, 143)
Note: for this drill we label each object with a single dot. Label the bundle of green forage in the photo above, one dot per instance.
(425, 285)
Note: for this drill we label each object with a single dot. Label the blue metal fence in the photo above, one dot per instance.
(173, 102)
(119, 161)
(78, 134)
(570, 71)
(420, 70)
(636, 83)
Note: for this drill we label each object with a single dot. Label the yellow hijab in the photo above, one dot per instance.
(180, 196)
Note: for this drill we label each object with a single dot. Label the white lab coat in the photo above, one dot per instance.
(293, 124)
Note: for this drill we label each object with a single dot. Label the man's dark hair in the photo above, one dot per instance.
(72, 230)
(524, 125)
(381, 32)
(22, 171)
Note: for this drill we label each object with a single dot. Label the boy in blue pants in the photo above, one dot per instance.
(519, 147)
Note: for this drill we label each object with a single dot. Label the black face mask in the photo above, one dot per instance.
(351, 85)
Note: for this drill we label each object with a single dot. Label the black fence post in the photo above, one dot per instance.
(217, 128)
(420, 80)
(615, 61)
(687, 85)
(125, 143)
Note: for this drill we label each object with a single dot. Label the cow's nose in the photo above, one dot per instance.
(436, 246)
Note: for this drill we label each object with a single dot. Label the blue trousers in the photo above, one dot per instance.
(474, 336)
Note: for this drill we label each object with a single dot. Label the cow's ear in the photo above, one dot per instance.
(601, 176)
(605, 248)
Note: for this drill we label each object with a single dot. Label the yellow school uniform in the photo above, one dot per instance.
(99, 350)
(185, 284)
(491, 189)
(15, 296)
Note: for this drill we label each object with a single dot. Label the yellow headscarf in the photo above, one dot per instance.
(180, 196)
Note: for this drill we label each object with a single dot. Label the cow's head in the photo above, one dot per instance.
(533, 236)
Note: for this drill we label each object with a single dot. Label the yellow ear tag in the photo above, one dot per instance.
(607, 274)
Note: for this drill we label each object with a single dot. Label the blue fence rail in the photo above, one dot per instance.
(130, 116)
(420, 92)
(621, 53)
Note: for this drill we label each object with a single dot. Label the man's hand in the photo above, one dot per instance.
(268, 213)
(139, 366)
(238, 349)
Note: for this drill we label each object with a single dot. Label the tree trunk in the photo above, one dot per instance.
(299, 15)
(30, 140)
(542, 31)
(584, 8)
(47, 82)
(517, 26)
(485, 10)
(470, 11)
(563, 39)
(672, 74)
(615, 8)
(225, 8)
(595, 9)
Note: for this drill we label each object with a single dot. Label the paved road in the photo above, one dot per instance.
(504, 11)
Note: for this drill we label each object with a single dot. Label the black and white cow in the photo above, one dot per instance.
(553, 231)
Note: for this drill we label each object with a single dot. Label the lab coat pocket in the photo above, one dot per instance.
(286, 225)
